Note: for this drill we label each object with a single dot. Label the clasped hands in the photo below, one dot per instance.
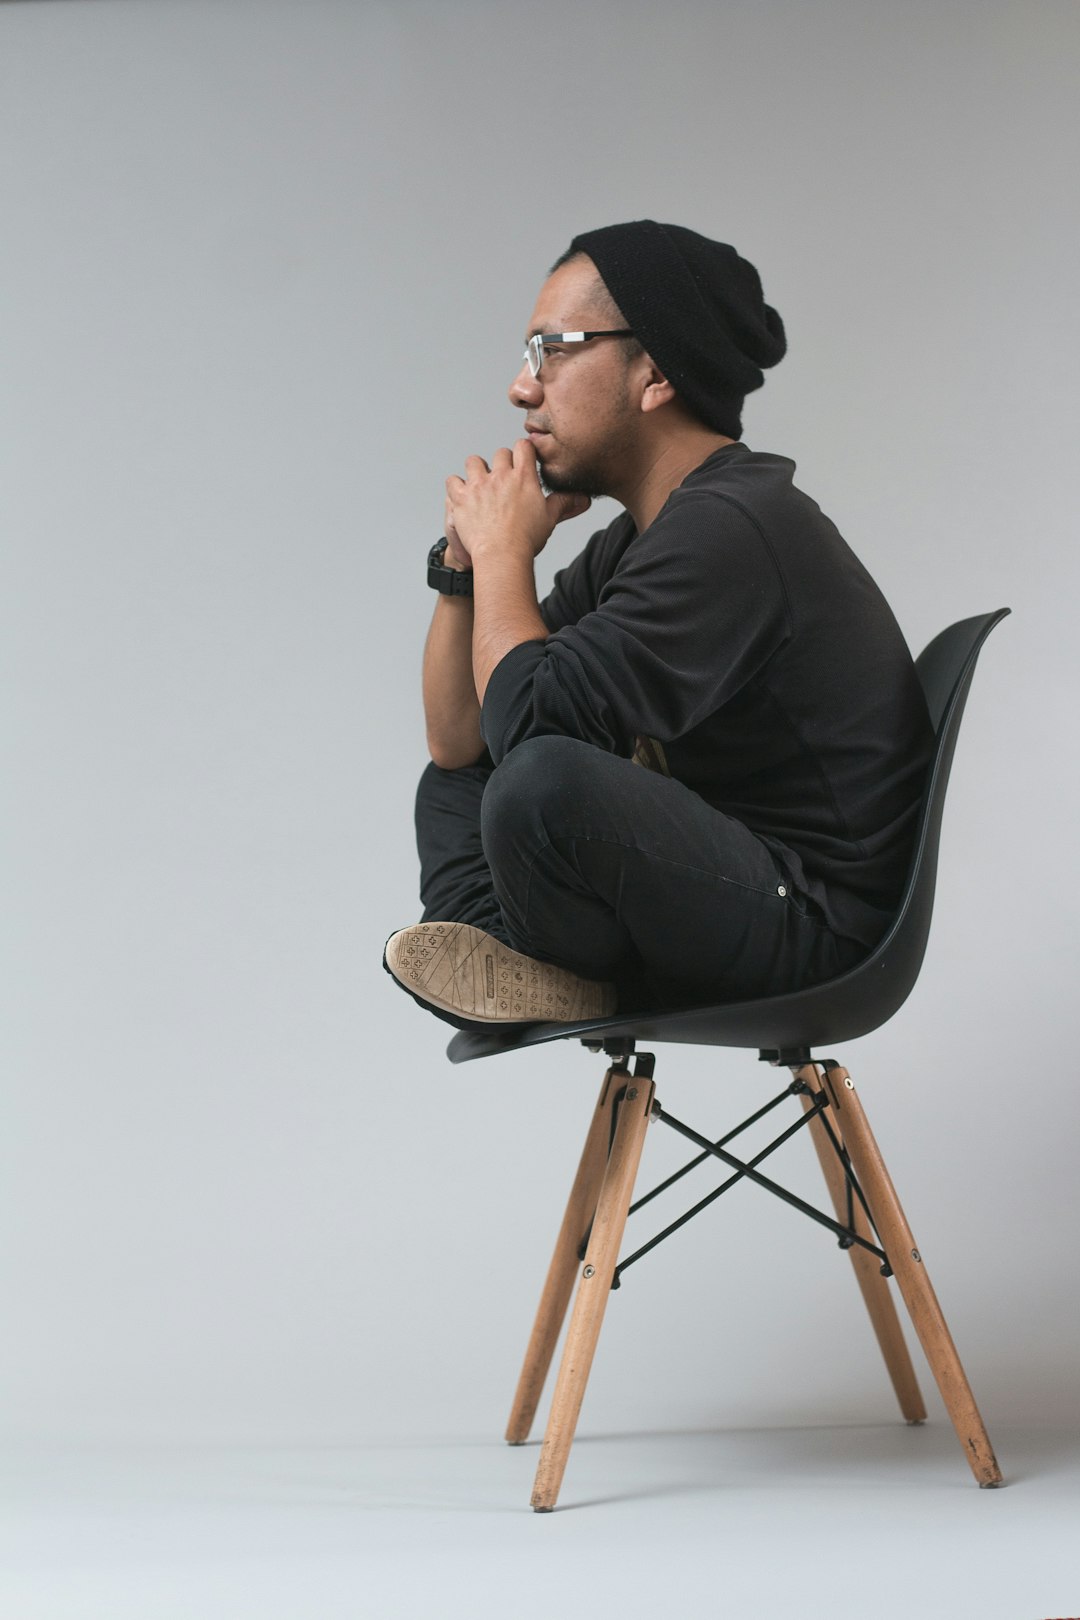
(502, 507)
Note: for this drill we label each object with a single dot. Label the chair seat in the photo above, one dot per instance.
(839, 1009)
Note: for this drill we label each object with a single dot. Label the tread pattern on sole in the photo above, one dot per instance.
(463, 970)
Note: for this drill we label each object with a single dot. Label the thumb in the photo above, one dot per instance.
(562, 506)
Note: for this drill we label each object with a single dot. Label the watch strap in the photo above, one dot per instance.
(449, 581)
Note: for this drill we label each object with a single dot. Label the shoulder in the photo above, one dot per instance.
(727, 508)
(740, 491)
(758, 485)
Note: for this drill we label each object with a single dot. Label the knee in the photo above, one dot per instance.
(430, 777)
(536, 786)
(430, 790)
(440, 791)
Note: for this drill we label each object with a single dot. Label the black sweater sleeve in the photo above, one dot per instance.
(576, 588)
(692, 611)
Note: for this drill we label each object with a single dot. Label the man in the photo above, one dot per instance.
(692, 773)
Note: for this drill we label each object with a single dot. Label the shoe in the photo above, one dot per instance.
(465, 972)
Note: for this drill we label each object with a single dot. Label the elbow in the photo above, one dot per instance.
(449, 758)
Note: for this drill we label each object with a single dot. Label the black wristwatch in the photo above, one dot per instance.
(450, 581)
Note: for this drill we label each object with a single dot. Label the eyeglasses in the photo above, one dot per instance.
(534, 349)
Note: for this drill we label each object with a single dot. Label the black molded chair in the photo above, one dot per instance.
(784, 1029)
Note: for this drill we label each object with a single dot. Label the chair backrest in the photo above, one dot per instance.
(945, 668)
(859, 1000)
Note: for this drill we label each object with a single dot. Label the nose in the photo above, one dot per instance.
(526, 390)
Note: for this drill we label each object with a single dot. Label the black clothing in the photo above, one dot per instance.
(572, 855)
(696, 307)
(741, 634)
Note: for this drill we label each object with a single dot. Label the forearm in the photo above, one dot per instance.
(502, 519)
(506, 610)
(451, 707)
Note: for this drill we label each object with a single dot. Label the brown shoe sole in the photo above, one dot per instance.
(463, 970)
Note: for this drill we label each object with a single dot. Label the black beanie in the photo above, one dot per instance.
(696, 307)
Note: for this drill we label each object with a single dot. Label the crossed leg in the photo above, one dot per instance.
(573, 856)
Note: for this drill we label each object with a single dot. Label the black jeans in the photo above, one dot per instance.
(576, 856)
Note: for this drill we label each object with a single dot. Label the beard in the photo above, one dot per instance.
(576, 481)
(602, 469)
(602, 473)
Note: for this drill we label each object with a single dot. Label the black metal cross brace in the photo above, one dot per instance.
(746, 1170)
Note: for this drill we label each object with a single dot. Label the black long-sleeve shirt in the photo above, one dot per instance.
(741, 632)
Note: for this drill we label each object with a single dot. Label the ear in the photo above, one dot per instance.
(657, 390)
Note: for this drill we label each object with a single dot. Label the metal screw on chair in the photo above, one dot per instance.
(590, 1271)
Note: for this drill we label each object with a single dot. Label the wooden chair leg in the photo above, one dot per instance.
(876, 1293)
(559, 1285)
(634, 1105)
(906, 1261)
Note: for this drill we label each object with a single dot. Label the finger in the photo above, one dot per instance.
(454, 486)
(502, 458)
(562, 506)
(524, 453)
(475, 465)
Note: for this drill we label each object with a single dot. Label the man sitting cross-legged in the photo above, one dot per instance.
(690, 774)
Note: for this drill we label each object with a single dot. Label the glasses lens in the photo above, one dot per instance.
(534, 355)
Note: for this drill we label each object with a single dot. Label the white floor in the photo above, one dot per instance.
(873, 1523)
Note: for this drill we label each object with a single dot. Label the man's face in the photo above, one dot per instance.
(580, 414)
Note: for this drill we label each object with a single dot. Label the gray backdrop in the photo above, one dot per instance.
(266, 271)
